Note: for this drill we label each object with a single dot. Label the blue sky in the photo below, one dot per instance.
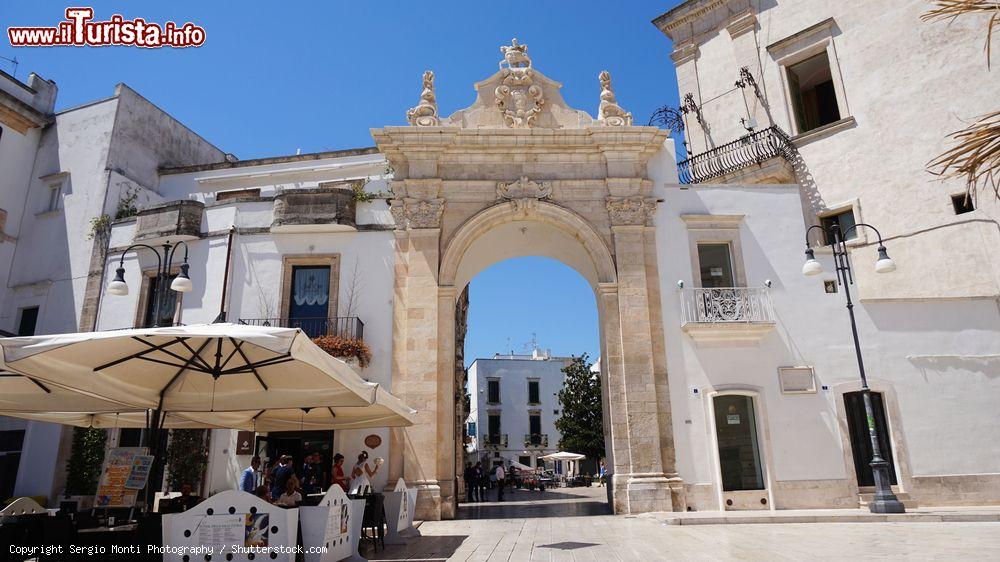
(276, 77)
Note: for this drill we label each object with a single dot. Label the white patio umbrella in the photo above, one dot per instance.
(201, 368)
(24, 397)
(386, 411)
(564, 456)
(522, 467)
(570, 458)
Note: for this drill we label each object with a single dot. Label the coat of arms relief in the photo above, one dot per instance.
(518, 98)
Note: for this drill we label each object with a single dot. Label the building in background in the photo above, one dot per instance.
(514, 406)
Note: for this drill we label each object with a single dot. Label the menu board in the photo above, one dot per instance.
(221, 532)
(119, 463)
(141, 465)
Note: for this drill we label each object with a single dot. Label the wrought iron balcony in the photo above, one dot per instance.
(755, 148)
(536, 440)
(495, 440)
(727, 314)
(343, 326)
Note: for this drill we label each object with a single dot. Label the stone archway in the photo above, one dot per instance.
(461, 188)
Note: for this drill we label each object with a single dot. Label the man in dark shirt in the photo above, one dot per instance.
(470, 483)
(280, 476)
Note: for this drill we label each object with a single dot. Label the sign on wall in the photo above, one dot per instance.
(244, 443)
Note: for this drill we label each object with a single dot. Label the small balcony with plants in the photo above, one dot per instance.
(340, 336)
(495, 440)
(727, 315)
(536, 440)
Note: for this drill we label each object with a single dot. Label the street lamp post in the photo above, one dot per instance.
(181, 284)
(885, 500)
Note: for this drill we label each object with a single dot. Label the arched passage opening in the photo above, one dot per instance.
(506, 404)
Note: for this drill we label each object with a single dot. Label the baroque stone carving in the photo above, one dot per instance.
(426, 112)
(609, 112)
(631, 211)
(517, 97)
(524, 194)
(524, 188)
(416, 213)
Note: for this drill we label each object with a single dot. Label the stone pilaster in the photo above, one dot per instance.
(644, 486)
(415, 352)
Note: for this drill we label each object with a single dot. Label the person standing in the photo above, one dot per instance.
(361, 469)
(501, 481)
(281, 474)
(248, 479)
(479, 476)
(339, 478)
(470, 483)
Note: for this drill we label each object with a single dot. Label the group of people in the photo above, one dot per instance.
(479, 479)
(285, 485)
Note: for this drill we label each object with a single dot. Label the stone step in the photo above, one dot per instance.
(908, 502)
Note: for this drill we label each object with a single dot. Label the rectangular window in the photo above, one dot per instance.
(169, 305)
(534, 424)
(739, 453)
(716, 265)
(846, 221)
(471, 431)
(308, 308)
(493, 425)
(54, 197)
(11, 442)
(962, 203)
(526, 461)
(236, 194)
(813, 95)
(493, 391)
(29, 319)
(533, 393)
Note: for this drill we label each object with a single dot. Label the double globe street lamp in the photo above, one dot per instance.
(885, 500)
(181, 283)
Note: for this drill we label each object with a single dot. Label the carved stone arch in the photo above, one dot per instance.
(544, 212)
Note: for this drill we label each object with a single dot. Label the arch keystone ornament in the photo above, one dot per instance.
(458, 210)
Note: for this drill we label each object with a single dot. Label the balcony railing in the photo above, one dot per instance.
(343, 326)
(745, 151)
(727, 305)
(536, 440)
(495, 440)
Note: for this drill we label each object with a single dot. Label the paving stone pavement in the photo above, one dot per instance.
(575, 524)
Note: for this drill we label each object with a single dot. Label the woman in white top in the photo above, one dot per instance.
(361, 469)
(291, 496)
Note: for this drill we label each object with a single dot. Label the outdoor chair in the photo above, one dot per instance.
(373, 524)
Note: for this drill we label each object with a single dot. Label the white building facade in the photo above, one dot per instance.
(514, 406)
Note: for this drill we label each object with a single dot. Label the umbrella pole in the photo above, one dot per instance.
(156, 470)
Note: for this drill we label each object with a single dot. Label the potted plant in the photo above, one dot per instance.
(345, 348)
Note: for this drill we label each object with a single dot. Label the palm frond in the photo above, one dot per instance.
(976, 157)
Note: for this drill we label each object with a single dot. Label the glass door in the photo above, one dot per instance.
(739, 451)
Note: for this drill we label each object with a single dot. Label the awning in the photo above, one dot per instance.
(201, 368)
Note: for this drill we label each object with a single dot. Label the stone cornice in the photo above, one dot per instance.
(685, 13)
